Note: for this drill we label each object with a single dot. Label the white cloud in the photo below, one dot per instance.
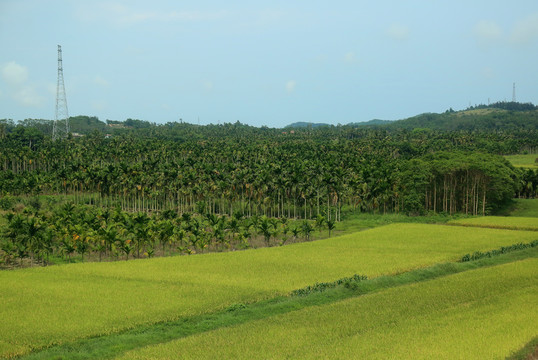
(14, 74)
(398, 32)
(290, 86)
(28, 96)
(270, 16)
(51, 88)
(488, 72)
(99, 105)
(101, 81)
(350, 58)
(16, 77)
(208, 85)
(525, 30)
(487, 31)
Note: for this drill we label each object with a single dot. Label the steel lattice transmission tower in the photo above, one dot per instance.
(514, 93)
(60, 128)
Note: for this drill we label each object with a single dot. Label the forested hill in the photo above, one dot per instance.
(301, 124)
(471, 120)
(494, 117)
(504, 116)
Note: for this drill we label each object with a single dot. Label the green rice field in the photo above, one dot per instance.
(526, 161)
(487, 313)
(500, 222)
(46, 306)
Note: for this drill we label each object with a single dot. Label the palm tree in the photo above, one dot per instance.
(331, 224)
(306, 229)
(264, 228)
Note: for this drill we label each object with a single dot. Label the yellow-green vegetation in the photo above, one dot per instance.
(525, 207)
(487, 313)
(526, 161)
(500, 222)
(45, 306)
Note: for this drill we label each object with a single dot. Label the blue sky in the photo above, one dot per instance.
(265, 63)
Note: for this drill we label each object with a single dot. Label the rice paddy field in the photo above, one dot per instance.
(464, 316)
(526, 161)
(43, 307)
(500, 222)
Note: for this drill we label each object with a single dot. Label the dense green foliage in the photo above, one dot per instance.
(227, 168)
(43, 230)
(216, 187)
(496, 117)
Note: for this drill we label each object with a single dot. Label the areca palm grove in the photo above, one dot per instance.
(187, 187)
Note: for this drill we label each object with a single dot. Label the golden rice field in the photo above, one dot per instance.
(58, 304)
(500, 222)
(487, 313)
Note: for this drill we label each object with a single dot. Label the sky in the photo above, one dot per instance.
(267, 63)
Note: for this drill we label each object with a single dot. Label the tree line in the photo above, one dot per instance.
(276, 173)
(48, 229)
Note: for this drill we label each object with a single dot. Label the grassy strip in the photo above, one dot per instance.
(107, 347)
(320, 287)
(500, 227)
(503, 250)
(499, 222)
(528, 352)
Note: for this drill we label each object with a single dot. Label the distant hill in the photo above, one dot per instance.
(502, 116)
(82, 124)
(374, 122)
(303, 124)
(486, 119)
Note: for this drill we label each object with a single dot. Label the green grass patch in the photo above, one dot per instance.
(526, 161)
(485, 313)
(42, 307)
(523, 208)
(239, 313)
(500, 222)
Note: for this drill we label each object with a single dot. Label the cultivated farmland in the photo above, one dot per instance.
(59, 304)
(486, 313)
(500, 222)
